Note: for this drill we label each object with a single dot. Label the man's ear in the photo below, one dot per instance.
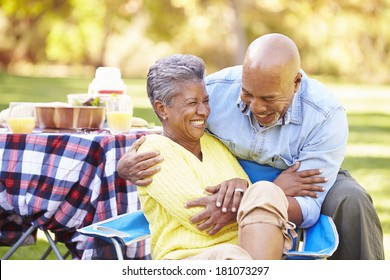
(160, 109)
(297, 82)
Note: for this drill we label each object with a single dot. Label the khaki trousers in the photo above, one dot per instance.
(263, 202)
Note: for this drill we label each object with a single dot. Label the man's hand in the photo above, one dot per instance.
(220, 207)
(138, 167)
(300, 183)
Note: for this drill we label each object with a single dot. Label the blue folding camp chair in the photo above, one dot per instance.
(124, 229)
(317, 242)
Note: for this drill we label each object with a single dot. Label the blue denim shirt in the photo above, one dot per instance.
(314, 131)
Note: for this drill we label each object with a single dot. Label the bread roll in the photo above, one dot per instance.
(138, 122)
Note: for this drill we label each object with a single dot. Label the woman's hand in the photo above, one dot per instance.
(226, 197)
(230, 193)
(300, 183)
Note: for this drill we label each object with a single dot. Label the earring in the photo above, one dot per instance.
(164, 118)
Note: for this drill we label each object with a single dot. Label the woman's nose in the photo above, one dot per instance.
(203, 109)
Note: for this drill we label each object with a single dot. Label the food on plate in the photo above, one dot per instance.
(139, 122)
(83, 99)
(92, 102)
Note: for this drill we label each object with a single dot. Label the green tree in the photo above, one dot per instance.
(346, 39)
(26, 27)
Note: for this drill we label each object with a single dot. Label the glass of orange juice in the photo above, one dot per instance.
(119, 110)
(21, 117)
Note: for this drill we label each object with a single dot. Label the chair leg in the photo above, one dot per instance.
(118, 248)
(66, 255)
(19, 242)
(298, 239)
(53, 245)
(47, 252)
(25, 235)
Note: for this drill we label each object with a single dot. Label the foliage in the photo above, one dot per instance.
(345, 39)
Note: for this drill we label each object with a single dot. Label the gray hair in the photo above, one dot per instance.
(167, 76)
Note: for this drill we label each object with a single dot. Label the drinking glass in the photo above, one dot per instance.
(119, 110)
(21, 117)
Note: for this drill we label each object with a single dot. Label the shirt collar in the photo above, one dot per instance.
(295, 109)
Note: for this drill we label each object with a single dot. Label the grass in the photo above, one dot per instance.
(35, 251)
(367, 159)
(368, 151)
(31, 89)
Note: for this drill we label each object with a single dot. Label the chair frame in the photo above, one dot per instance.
(126, 234)
(52, 245)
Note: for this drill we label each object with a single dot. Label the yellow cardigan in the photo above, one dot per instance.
(183, 177)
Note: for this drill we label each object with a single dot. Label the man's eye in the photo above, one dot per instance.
(271, 99)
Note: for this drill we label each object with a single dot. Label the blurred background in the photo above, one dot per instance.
(346, 40)
(50, 48)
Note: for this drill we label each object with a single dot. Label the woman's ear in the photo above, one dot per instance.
(160, 109)
(297, 81)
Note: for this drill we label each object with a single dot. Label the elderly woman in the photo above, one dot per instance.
(195, 160)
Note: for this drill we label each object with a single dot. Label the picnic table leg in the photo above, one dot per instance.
(19, 242)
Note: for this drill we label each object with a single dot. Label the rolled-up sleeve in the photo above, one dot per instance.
(325, 149)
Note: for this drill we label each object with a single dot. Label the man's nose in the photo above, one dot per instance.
(258, 106)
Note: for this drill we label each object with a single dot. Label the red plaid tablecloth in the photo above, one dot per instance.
(62, 182)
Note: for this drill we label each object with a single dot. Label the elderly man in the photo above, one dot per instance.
(270, 112)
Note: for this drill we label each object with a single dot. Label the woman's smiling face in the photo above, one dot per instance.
(186, 117)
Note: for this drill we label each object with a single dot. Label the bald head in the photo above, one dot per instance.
(273, 54)
(270, 77)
